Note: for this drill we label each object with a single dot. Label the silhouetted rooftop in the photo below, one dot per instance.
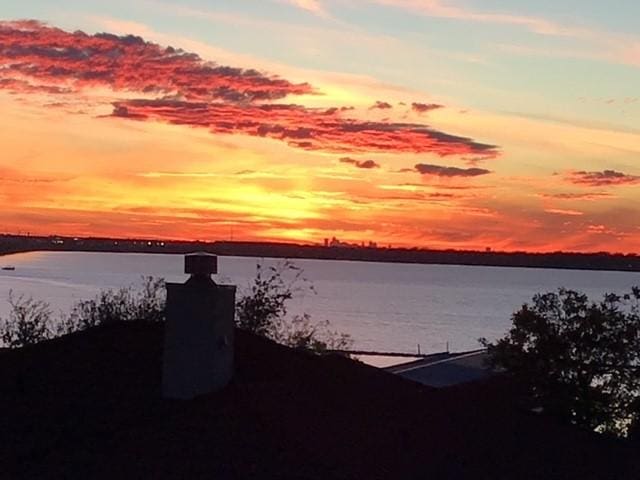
(445, 370)
(88, 406)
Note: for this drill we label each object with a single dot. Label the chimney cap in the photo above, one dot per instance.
(201, 263)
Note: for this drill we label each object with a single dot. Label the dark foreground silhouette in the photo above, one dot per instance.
(88, 406)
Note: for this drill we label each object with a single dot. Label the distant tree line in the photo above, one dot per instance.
(567, 260)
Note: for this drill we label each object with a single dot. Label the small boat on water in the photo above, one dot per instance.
(8, 267)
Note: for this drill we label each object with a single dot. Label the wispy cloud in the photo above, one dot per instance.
(440, 171)
(366, 164)
(313, 6)
(599, 44)
(419, 107)
(446, 9)
(605, 178)
(577, 196)
(564, 211)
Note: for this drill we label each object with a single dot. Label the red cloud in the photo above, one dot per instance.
(52, 57)
(35, 58)
(17, 85)
(310, 129)
(440, 171)
(604, 178)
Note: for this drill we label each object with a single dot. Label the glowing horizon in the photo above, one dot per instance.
(158, 129)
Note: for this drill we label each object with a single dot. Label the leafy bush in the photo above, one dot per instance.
(577, 360)
(29, 322)
(263, 310)
(121, 305)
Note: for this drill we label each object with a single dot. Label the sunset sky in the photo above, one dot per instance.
(512, 124)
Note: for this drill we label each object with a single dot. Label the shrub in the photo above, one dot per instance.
(121, 305)
(302, 333)
(29, 322)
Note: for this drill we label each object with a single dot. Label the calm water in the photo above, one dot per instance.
(383, 306)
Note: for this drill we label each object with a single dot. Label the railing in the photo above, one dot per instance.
(384, 354)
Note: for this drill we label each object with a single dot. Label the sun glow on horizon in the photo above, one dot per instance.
(118, 136)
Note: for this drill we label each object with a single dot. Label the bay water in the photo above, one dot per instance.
(383, 306)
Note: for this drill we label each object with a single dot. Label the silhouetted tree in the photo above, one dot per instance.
(263, 310)
(577, 359)
(259, 309)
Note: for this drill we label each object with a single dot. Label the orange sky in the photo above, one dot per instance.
(119, 136)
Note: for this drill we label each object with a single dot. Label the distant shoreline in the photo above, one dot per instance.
(4, 253)
(11, 244)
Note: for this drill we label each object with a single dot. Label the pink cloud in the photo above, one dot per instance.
(445, 9)
(301, 127)
(52, 58)
(313, 6)
(36, 58)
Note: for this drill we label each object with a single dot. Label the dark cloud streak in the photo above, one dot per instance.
(440, 171)
(380, 105)
(605, 178)
(366, 164)
(577, 196)
(425, 107)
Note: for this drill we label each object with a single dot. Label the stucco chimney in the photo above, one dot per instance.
(198, 343)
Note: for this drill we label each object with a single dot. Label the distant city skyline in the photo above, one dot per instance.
(431, 123)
